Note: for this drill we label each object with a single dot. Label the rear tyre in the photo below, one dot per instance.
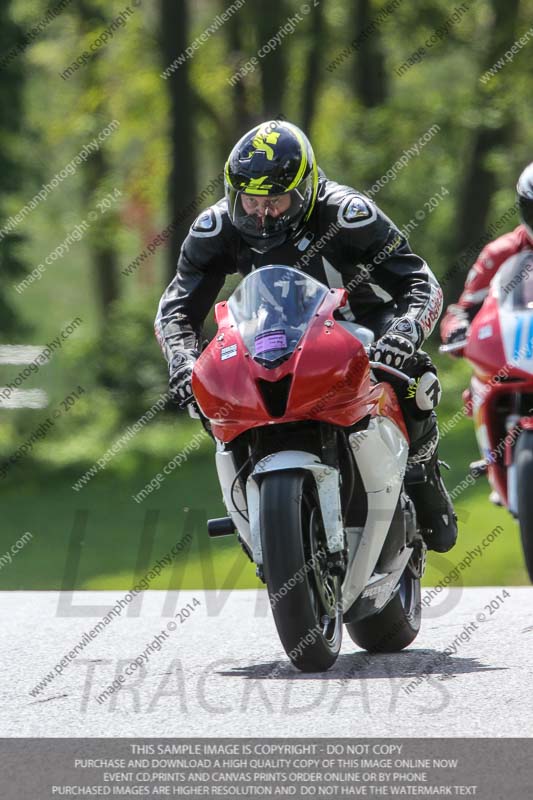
(304, 596)
(396, 625)
(524, 477)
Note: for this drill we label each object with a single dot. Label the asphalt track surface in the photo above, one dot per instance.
(221, 670)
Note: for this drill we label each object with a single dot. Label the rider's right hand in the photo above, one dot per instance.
(179, 383)
(458, 334)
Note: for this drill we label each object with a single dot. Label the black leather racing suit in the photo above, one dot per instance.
(347, 242)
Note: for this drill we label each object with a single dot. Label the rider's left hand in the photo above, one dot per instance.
(399, 343)
(393, 350)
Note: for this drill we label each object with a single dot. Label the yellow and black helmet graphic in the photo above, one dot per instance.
(272, 158)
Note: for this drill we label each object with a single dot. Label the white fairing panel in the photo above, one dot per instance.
(226, 475)
(327, 483)
(381, 454)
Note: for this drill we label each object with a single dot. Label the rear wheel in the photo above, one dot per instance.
(524, 477)
(305, 596)
(396, 625)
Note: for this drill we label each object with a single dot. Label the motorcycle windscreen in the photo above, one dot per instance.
(515, 283)
(272, 308)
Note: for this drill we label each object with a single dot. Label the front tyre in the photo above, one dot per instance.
(396, 625)
(304, 596)
(524, 478)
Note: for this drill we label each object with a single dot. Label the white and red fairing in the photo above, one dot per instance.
(500, 349)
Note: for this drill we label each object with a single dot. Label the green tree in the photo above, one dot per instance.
(495, 130)
(182, 180)
(12, 77)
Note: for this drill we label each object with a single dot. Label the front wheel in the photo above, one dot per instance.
(524, 478)
(396, 625)
(304, 596)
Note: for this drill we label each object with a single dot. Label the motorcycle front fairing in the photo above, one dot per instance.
(500, 349)
(285, 359)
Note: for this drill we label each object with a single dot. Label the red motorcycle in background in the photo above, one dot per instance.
(311, 455)
(499, 346)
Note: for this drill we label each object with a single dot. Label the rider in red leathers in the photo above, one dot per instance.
(458, 318)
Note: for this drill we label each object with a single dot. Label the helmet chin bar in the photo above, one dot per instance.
(262, 244)
(269, 232)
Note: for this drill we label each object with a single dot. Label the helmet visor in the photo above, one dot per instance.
(262, 216)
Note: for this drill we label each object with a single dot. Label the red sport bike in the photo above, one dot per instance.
(500, 398)
(311, 455)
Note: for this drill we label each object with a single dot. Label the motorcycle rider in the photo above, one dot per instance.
(458, 317)
(280, 209)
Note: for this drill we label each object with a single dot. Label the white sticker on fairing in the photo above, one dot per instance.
(485, 332)
(228, 352)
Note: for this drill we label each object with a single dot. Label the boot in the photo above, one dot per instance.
(434, 509)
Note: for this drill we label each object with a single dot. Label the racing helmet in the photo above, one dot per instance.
(271, 184)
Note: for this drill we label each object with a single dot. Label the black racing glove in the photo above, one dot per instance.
(459, 333)
(399, 343)
(180, 375)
